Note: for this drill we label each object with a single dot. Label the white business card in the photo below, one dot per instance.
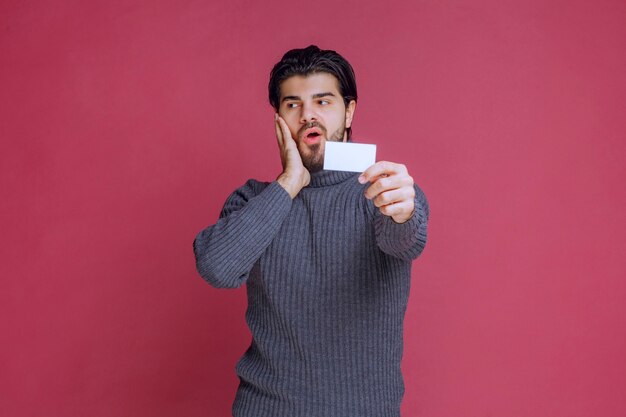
(346, 156)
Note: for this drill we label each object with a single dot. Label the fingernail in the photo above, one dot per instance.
(362, 179)
(275, 117)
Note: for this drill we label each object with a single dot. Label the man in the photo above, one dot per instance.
(325, 255)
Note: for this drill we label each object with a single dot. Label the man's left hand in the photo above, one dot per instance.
(391, 189)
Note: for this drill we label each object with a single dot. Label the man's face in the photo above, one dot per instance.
(315, 112)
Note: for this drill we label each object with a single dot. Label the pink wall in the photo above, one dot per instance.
(125, 125)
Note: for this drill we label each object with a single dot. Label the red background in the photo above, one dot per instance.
(125, 125)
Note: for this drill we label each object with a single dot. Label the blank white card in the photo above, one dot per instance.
(346, 156)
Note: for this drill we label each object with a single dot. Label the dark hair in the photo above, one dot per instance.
(311, 60)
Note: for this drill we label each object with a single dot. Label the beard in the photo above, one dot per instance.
(313, 155)
(313, 160)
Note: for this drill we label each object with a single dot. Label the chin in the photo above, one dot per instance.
(315, 168)
(314, 163)
(313, 158)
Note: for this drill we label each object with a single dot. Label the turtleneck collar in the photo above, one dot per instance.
(324, 178)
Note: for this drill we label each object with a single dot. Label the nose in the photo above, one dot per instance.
(308, 113)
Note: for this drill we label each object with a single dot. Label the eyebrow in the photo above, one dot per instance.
(318, 95)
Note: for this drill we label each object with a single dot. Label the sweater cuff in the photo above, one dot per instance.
(403, 240)
(277, 190)
(274, 204)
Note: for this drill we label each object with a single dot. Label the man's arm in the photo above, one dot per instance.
(402, 218)
(226, 252)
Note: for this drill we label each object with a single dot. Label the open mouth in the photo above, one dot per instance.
(312, 137)
(312, 134)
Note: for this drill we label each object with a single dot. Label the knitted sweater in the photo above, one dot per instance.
(328, 280)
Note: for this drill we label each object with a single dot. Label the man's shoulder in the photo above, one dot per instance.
(242, 195)
(249, 189)
(255, 185)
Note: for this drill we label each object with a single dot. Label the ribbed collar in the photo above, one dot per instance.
(324, 178)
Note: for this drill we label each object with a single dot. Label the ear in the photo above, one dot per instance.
(350, 113)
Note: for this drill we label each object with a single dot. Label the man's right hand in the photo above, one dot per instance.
(294, 176)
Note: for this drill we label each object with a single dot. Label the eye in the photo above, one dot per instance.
(292, 105)
(324, 102)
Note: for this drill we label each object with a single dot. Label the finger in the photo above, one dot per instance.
(403, 209)
(284, 129)
(393, 182)
(381, 168)
(394, 196)
(279, 133)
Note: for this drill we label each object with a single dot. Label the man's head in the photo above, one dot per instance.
(314, 91)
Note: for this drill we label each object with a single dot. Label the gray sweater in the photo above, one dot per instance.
(328, 280)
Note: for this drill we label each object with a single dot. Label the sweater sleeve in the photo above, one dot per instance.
(407, 240)
(226, 251)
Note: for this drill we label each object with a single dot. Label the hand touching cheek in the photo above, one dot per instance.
(294, 176)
